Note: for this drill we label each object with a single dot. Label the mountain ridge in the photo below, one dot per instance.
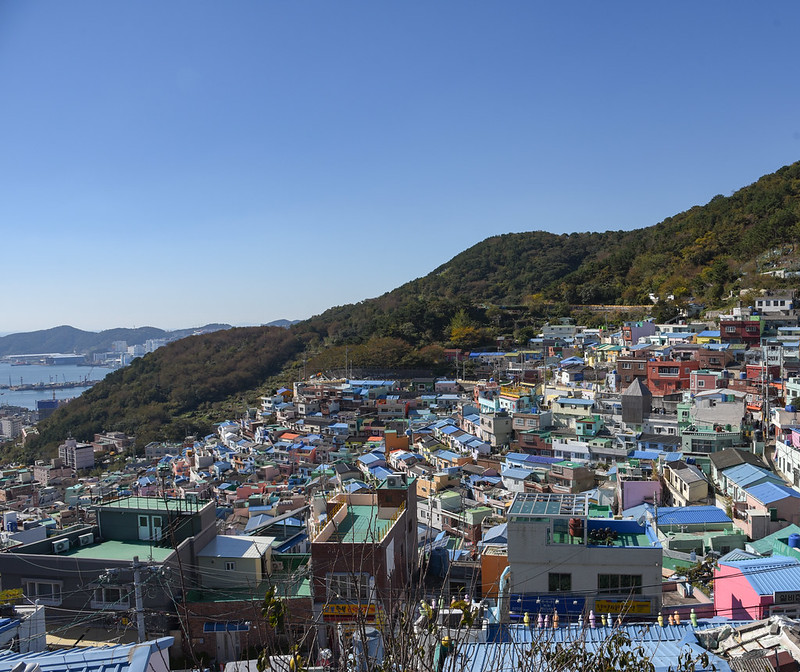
(66, 338)
(702, 255)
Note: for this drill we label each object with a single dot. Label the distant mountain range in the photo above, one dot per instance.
(506, 285)
(66, 339)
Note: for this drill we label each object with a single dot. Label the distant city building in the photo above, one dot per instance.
(11, 427)
(76, 455)
(119, 346)
(45, 407)
(153, 344)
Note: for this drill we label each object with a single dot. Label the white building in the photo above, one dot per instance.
(77, 455)
(580, 562)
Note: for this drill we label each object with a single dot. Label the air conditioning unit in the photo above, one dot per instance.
(277, 565)
(61, 546)
(86, 539)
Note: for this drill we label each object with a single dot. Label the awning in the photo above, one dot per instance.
(289, 543)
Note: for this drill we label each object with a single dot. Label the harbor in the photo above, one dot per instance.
(25, 385)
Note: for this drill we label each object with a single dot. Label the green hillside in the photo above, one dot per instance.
(702, 255)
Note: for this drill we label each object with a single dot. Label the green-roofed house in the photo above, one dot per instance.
(90, 568)
(363, 552)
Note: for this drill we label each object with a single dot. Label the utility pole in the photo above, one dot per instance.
(137, 592)
(113, 577)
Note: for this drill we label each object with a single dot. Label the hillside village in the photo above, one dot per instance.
(643, 478)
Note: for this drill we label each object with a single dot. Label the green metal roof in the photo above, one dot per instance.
(360, 525)
(121, 550)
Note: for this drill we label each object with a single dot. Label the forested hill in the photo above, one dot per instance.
(698, 254)
(702, 254)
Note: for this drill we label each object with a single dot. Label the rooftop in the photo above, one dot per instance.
(121, 550)
(361, 524)
(154, 504)
(548, 504)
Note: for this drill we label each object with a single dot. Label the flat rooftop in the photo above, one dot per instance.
(121, 550)
(360, 525)
(154, 504)
(549, 504)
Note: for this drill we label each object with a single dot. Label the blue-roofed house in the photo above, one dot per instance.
(443, 459)
(521, 648)
(369, 461)
(755, 587)
(150, 656)
(694, 528)
(735, 480)
(767, 508)
(497, 535)
(514, 478)
(379, 473)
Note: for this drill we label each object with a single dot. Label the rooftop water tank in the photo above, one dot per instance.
(791, 408)
(794, 540)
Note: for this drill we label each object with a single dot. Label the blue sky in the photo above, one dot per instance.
(174, 164)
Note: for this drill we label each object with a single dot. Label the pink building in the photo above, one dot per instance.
(632, 493)
(754, 587)
(768, 507)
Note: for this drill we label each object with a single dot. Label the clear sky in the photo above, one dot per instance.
(184, 162)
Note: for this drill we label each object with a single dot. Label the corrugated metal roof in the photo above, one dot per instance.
(645, 454)
(516, 472)
(121, 658)
(744, 474)
(661, 647)
(766, 493)
(766, 575)
(235, 546)
(688, 515)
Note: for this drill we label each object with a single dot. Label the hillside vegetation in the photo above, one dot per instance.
(171, 392)
(702, 254)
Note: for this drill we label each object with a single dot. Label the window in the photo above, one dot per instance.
(230, 566)
(348, 587)
(701, 383)
(47, 592)
(620, 583)
(730, 330)
(626, 365)
(559, 583)
(110, 598)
